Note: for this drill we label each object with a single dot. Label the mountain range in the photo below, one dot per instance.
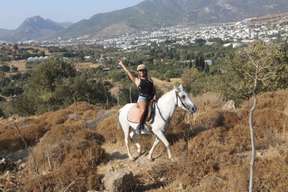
(34, 28)
(156, 13)
(147, 15)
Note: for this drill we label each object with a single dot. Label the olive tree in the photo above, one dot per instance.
(260, 71)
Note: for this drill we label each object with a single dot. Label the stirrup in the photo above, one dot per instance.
(142, 130)
(138, 129)
(145, 130)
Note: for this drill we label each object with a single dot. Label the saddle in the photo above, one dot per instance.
(134, 113)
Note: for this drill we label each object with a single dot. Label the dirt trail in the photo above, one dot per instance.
(142, 168)
(117, 159)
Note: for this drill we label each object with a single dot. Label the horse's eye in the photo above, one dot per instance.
(183, 96)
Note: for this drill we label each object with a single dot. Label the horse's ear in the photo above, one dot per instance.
(176, 88)
(181, 87)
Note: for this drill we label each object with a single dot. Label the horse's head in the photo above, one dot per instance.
(184, 101)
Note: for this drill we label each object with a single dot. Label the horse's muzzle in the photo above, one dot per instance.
(193, 109)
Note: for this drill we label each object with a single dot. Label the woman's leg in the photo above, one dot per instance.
(142, 107)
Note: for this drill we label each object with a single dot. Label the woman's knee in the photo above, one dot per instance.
(142, 107)
(142, 110)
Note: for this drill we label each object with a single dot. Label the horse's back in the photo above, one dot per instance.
(125, 109)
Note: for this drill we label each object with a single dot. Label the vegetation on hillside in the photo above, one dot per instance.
(231, 76)
(58, 82)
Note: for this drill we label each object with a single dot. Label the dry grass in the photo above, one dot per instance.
(212, 148)
(65, 152)
(64, 155)
(109, 128)
(30, 129)
(33, 128)
(164, 86)
(214, 155)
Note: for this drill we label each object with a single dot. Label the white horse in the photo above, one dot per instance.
(165, 107)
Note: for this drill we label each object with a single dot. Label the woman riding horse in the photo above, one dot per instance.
(146, 92)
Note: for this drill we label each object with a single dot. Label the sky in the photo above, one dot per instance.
(14, 12)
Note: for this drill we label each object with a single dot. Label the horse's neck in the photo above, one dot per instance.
(167, 104)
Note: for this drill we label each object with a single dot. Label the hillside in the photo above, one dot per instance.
(157, 13)
(74, 148)
(4, 33)
(34, 28)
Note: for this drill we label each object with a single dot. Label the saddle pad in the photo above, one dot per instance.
(134, 114)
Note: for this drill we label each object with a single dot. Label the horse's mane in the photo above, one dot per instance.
(166, 94)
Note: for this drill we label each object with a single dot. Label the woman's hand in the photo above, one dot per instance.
(130, 75)
(120, 62)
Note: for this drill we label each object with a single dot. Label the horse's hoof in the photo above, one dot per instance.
(149, 158)
(132, 158)
(172, 160)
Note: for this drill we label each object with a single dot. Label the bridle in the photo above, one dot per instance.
(176, 104)
(178, 97)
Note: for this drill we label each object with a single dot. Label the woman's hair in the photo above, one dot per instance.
(146, 75)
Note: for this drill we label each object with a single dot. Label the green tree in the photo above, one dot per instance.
(49, 72)
(238, 70)
(194, 81)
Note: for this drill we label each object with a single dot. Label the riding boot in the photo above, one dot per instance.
(141, 127)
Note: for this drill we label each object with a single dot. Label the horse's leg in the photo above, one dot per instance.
(131, 134)
(126, 138)
(162, 137)
(156, 142)
(138, 148)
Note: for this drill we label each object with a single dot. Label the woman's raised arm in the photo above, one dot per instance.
(130, 75)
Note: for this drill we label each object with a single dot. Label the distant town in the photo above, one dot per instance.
(235, 34)
(269, 28)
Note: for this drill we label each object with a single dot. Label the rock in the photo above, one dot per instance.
(119, 181)
(100, 116)
(229, 106)
(74, 117)
(91, 124)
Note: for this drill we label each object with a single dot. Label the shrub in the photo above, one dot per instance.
(55, 83)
